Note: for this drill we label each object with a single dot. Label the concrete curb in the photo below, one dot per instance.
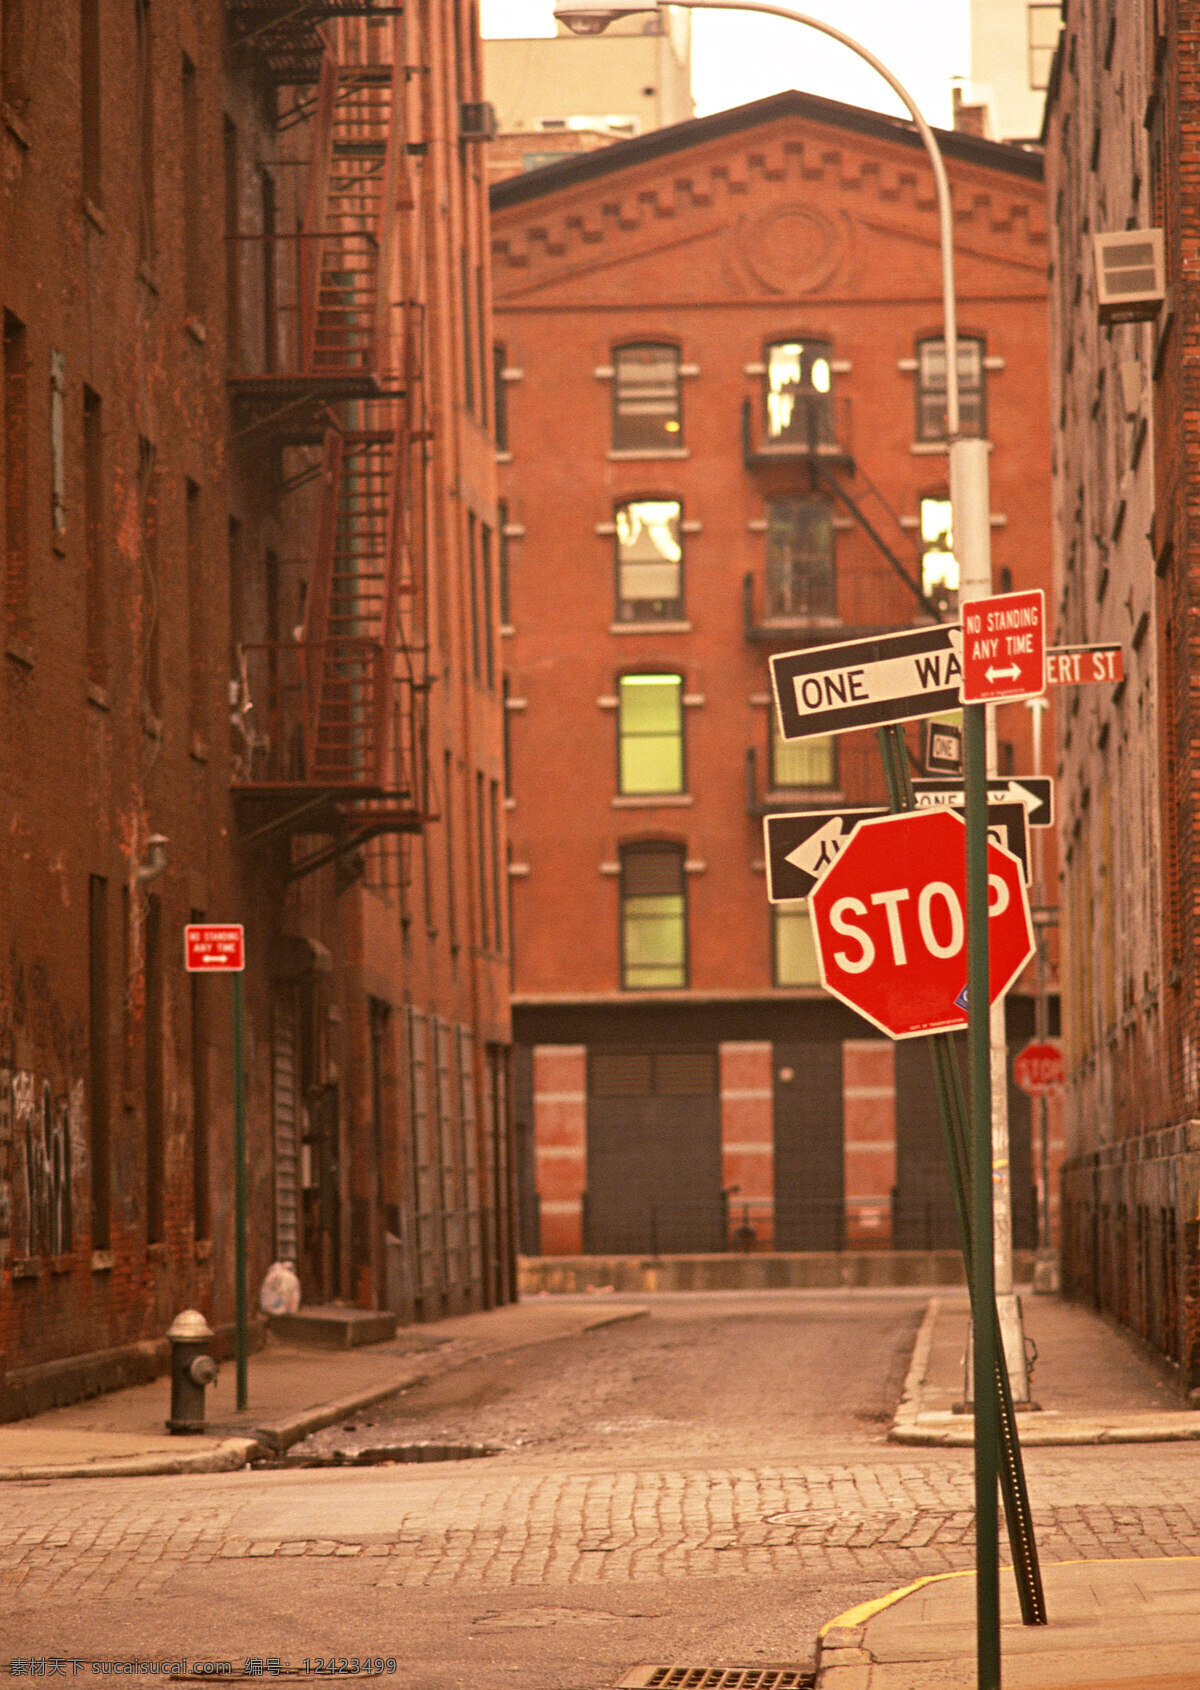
(1044, 1429)
(275, 1436)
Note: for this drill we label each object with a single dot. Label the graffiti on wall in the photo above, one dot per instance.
(38, 1132)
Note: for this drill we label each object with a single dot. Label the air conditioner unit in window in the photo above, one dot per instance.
(477, 121)
(1130, 275)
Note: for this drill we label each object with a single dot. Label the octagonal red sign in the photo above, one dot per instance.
(890, 926)
(1038, 1069)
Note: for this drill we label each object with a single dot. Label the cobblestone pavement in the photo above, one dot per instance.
(678, 1473)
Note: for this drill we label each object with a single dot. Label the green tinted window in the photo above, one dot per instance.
(795, 952)
(650, 730)
(653, 917)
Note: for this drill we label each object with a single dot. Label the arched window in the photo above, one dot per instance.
(647, 412)
(799, 400)
(800, 559)
(649, 561)
(650, 734)
(931, 388)
(653, 916)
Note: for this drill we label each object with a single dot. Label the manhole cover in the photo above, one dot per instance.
(376, 1455)
(678, 1677)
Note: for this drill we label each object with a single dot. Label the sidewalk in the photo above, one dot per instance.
(1090, 1382)
(292, 1392)
(1113, 1625)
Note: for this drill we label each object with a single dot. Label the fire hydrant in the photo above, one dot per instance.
(192, 1368)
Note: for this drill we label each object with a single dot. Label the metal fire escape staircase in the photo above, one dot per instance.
(333, 721)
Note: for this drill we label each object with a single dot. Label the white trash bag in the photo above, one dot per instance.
(280, 1292)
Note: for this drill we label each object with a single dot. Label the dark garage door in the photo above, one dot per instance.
(653, 1153)
(809, 1158)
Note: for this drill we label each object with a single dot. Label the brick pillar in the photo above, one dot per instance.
(748, 1136)
(560, 1144)
(869, 1106)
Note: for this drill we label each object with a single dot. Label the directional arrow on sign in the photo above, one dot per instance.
(1036, 792)
(801, 845)
(1009, 674)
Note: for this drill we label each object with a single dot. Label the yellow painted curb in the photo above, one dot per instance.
(867, 1610)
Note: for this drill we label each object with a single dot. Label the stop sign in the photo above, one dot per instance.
(889, 922)
(1038, 1069)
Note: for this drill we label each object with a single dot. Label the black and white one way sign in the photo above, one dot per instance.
(868, 683)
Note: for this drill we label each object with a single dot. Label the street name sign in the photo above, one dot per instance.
(1004, 647)
(889, 923)
(1072, 665)
(1038, 1069)
(214, 947)
(867, 683)
(801, 845)
(1036, 792)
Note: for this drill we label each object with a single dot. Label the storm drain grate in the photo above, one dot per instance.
(676, 1677)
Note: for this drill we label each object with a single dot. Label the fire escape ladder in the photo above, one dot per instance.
(882, 511)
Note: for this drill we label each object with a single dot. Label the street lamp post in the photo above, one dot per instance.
(971, 518)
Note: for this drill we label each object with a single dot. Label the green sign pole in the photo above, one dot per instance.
(987, 1428)
(239, 1185)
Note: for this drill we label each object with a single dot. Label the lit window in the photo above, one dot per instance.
(802, 762)
(1045, 21)
(653, 917)
(800, 574)
(931, 389)
(650, 733)
(646, 399)
(649, 561)
(799, 403)
(795, 950)
(939, 566)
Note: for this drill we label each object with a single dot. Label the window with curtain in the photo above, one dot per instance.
(800, 559)
(649, 561)
(647, 408)
(799, 398)
(931, 389)
(797, 763)
(653, 916)
(650, 733)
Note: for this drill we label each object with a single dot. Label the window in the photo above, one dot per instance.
(89, 97)
(201, 1100)
(653, 917)
(193, 200)
(794, 948)
(12, 53)
(650, 733)
(799, 402)
(802, 762)
(16, 475)
(649, 561)
(931, 389)
(197, 633)
(939, 566)
(93, 537)
(646, 399)
(1045, 21)
(98, 1090)
(154, 1092)
(500, 396)
(800, 559)
(143, 82)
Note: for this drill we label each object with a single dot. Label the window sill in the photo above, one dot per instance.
(203, 1249)
(94, 215)
(518, 871)
(504, 457)
(27, 1267)
(62, 1264)
(507, 630)
(198, 750)
(148, 277)
(653, 801)
(103, 1261)
(156, 1252)
(649, 627)
(98, 696)
(19, 652)
(196, 329)
(647, 452)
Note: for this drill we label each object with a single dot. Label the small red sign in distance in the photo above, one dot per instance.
(1075, 665)
(214, 947)
(1038, 1069)
(1004, 647)
(889, 922)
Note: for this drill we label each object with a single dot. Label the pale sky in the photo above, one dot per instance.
(736, 58)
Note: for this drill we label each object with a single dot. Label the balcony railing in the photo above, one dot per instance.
(820, 427)
(283, 39)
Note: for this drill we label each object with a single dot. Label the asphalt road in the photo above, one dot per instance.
(705, 1486)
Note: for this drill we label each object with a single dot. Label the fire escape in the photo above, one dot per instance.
(330, 735)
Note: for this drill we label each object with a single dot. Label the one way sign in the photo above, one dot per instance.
(801, 846)
(868, 683)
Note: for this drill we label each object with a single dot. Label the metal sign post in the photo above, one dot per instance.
(220, 948)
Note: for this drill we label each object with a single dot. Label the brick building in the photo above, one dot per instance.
(248, 520)
(723, 436)
(1120, 136)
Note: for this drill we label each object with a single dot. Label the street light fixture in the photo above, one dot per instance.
(971, 518)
